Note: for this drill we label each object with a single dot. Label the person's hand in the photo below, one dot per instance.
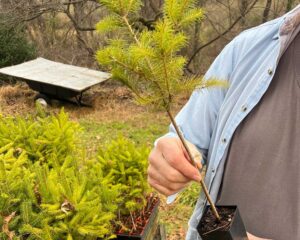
(169, 168)
(252, 237)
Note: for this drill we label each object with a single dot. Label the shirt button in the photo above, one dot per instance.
(213, 170)
(270, 71)
(224, 140)
(244, 108)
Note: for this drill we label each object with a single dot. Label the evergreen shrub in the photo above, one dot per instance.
(125, 164)
(50, 190)
(14, 47)
(53, 203)
(45, 139)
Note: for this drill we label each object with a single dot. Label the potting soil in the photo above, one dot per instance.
(209, 222)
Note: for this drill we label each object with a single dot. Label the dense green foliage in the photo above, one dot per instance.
(45, 139)
(14, 47)
(59, 193)
(125, 165)
(53, 203)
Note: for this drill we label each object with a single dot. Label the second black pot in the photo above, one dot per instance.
(149, 231)
(234, 230)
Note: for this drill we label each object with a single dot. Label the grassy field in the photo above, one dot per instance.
(143, 132)
(114, 113)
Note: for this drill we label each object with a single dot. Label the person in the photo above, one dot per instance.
(248, 134)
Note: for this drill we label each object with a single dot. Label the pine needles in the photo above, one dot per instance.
(148, 62)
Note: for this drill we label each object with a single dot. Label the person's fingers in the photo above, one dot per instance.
(161, 189)
(162, 176)
(169, 167)
(160, 167)
(167, 191)
(180, 163)
(164, 181)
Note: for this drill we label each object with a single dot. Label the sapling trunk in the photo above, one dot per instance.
(133, 224)
(213, 207)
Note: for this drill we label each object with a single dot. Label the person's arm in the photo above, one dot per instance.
(252, 237)
(169, 169)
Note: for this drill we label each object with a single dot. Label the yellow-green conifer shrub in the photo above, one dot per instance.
(46, 139)
(65, 195)
(75, 205)
(125, 164)
(61, 202)
(47, 190)
(17, 196)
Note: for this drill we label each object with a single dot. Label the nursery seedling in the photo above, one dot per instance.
(147, 60)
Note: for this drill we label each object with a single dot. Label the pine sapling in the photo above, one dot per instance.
(147, 60)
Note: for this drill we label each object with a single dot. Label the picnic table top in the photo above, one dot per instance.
(58, 74)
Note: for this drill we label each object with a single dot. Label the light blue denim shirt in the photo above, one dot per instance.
(211, 116)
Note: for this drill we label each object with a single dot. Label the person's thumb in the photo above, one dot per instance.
(197, 156)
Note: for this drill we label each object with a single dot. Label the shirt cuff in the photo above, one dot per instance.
(169, 134)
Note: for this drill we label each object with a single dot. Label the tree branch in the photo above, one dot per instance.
(154, 7)
(32, 12)
(76, 26)
(219, 36)
(78, 29)
(149, 23)
(266, 11)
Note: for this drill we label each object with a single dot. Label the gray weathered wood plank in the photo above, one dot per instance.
(57, 74)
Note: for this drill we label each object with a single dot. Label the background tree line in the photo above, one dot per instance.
(64, 30)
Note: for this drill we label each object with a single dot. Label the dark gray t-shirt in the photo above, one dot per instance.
(262, 173)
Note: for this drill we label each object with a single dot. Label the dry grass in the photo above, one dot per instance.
(110, 102)
(107, 100)
(16, 99)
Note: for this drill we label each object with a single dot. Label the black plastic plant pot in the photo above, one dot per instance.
(149, 230)
(231, 226)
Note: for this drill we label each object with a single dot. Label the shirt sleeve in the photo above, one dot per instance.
(198, 117)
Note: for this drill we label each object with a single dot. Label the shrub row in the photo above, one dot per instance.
(50, 190)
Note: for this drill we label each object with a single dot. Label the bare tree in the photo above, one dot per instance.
(220, 34)
(243, 5)
(266, 11)
(53, 24)
(78, 18)
(65, 29)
